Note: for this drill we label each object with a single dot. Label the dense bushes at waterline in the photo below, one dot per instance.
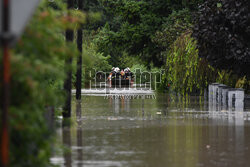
(187, 73)
(222, 30)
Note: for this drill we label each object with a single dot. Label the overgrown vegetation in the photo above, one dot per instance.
(134, 28)
(222, 30)
(146, 34)
(187, 73)
(37, 81)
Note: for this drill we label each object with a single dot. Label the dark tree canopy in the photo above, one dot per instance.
(134, 24)
(223, 33)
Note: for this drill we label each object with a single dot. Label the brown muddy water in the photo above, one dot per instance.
(156, 130)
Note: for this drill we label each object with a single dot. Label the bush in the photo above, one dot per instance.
(176, 23)
(222, 31)
(36, 83)
(92, 62)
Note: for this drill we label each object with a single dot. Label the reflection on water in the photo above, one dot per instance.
(166, 131)
(79, 144)
(66, 136)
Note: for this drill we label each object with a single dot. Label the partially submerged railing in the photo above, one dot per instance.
(225, 97)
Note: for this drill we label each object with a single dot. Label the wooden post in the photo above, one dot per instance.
(79, 59)
(68, 66)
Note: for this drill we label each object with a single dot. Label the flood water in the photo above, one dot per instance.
(155, 130)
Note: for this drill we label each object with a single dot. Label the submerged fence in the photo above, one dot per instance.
(222, 97)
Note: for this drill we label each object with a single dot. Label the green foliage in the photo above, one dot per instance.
(177, 23)
(36, 83)
(137, 70)
(92, 59)
(243, 83)
(226, 77)
(139, 66)
(96, 15)
(144, 75)
(102, 41)
(134, 24)
(128, 61)
(186, 72)
(222, 33)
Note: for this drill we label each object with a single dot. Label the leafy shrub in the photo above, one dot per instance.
(176, 23)
(93, 62)
(243, 83)
(36, 83)
(222, 31)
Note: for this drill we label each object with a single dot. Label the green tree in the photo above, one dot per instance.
(186, 72)
(134, 25)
